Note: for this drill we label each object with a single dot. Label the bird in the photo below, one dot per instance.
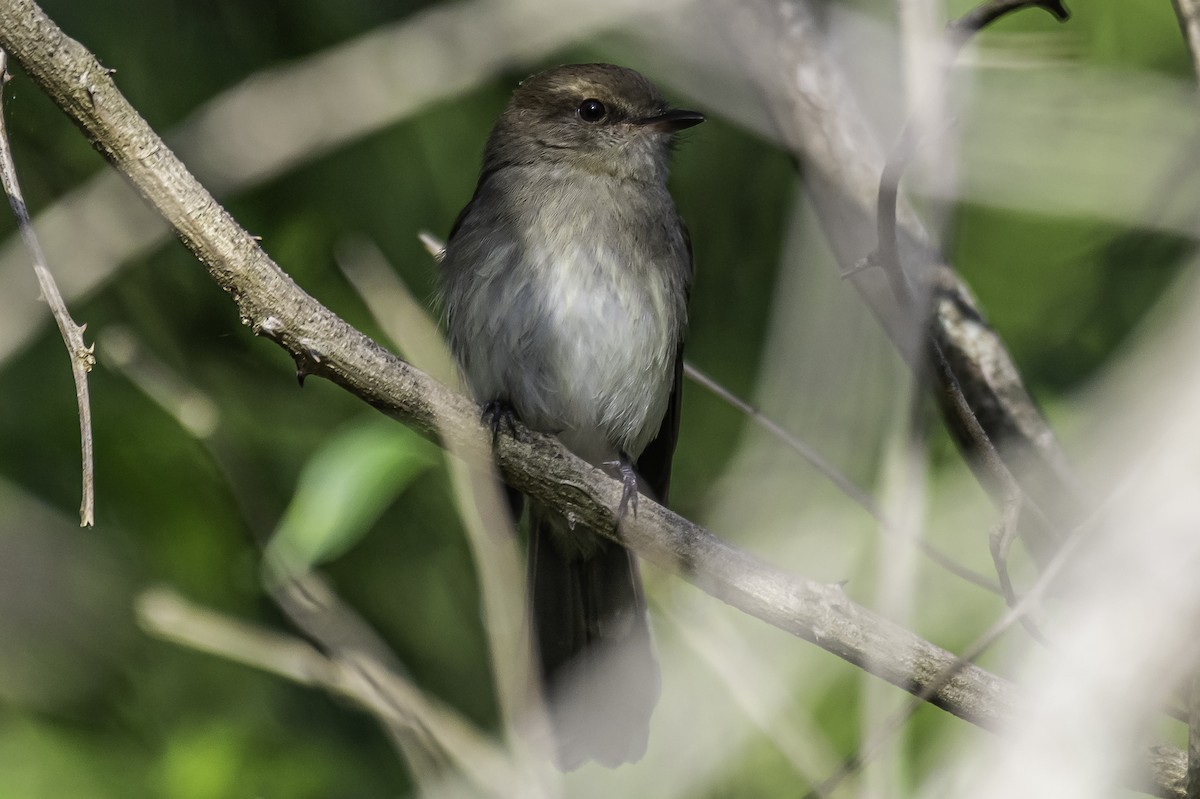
(564, 283)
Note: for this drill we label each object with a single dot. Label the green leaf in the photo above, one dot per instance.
(344, 488)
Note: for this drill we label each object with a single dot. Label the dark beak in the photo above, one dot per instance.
(671, 121)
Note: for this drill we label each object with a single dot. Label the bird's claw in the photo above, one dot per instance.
(496, 414)
(629, 485)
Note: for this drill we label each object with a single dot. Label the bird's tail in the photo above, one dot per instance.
(597, 655)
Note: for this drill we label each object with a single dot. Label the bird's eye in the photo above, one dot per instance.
(592, 110)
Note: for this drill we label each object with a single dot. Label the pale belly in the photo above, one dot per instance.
(608, 360)
(574, 319)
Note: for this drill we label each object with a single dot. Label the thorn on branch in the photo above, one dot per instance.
(311, 352)
(307, 358)
(87, 355)
(862, 265)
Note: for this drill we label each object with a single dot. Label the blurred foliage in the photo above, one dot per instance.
(94, 708)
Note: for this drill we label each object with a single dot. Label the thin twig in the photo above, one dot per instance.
(384, 693)
(815, 459)
(82, 355)
(481, 505)
(887, 254)
(887, 258)
(887, 250)
(984, 14)
(1000, 540)
(435, 248)
(1026, 605)
(835, 476)
(959, 31)
(1188, 12)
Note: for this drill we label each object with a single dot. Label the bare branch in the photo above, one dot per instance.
(481, 506)
(814, 111)
(960, 414)
(436, 248)
(816, 459)
(82, 357)
(985, 14)
(956, 408)
(357, 676)
(1018, 613)
(844, 483)
(1188, 12)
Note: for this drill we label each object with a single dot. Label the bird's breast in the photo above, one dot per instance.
(609, 297)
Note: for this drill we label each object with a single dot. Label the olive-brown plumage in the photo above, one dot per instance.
(565, 285)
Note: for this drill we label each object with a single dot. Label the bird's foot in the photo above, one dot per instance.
(498, 413)
(623, 466)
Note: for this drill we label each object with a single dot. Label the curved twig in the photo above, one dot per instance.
(954, 401)
(785, 46)
(985, 14)
(82, 354)
(835, 476)
(354, 674)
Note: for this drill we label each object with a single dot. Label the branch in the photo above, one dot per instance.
(479, 496)
(82, 357)
(355, 675)
(1019, 612)
(783, 46)
(835, 476)
(321, 343)
(1188, 12)
(962, 418)
(959, 32)
(847, 486)
(985, 14)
